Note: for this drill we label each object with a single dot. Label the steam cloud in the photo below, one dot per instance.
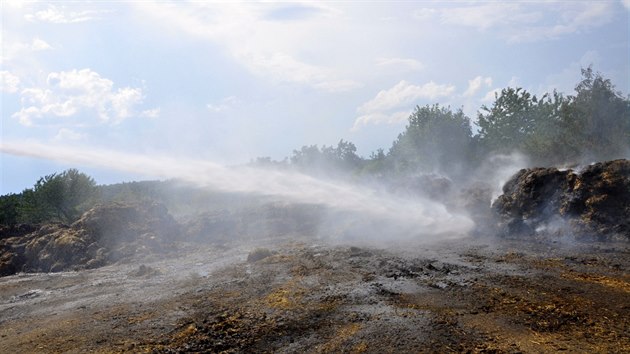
(422, 217)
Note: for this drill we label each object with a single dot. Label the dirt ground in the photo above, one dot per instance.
(305, 295)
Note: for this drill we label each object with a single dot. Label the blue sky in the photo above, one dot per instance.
(230, 81)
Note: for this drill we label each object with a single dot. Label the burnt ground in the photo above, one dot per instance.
(313, 296)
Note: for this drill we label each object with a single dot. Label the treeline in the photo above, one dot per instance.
(64, 197)
(59, 197)
(591, 125)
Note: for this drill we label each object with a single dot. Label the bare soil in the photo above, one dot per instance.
(305, 295)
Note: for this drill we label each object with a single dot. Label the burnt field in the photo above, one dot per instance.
(305, 295)
(545, 269)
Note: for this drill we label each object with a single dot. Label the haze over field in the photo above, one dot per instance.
(230, 82)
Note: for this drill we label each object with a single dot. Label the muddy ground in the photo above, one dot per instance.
(307, 295)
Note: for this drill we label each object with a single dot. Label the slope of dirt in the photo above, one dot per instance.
(464, 296)
(112, 232)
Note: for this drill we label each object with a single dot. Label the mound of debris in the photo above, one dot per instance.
(7, 231)
(104, 234)
(591, 203)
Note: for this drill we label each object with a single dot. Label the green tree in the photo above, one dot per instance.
(327, 160)
(344, 156)
(597, 119)
(306, 157)
(9, 209)
(376, 164)
(435, 137)
(59, 197)
(509, 122)
(548, 142)
(595, 123)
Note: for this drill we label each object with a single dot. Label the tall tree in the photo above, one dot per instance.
(509, 122)
(9, 209)
(376, 164)
(59, 197)
(548, 143)
(598, 118)
(435, 138)
(306, 157)
(344, 155)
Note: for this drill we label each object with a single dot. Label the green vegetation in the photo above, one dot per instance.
(435, 137)
(593, 124)
(57, 197)
(312, 159)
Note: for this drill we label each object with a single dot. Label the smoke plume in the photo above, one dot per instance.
(416, 216)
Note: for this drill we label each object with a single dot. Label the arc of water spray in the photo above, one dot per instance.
(427, 216)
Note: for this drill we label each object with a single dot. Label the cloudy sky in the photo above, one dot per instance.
(229, 81)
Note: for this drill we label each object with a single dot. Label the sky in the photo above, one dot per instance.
(227, 82)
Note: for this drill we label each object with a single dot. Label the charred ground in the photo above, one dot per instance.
(451, 297)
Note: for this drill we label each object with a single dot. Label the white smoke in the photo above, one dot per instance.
(498, 169)
(425, 217)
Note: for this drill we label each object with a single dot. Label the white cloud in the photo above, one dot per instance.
(223, 105)
(65, 134)
(404, 93)
(293, 12)
(475, 84)
(285, 68)
(489, 15)
(69, 92)
(393, 105)
(122, 103)
(594, 13)
(528, 22)
(425, 14)
(626, 4)
(378, 118)
(267, 48)
(572, 19)
(8, 82)
(335, 86)
(17, 4)
(12, 49)
(54, 14)
(151, 113)
(405, 63)
(39, 44)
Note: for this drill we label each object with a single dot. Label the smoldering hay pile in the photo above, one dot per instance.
(589, 203)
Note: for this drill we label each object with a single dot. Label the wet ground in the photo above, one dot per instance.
(314, 296)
